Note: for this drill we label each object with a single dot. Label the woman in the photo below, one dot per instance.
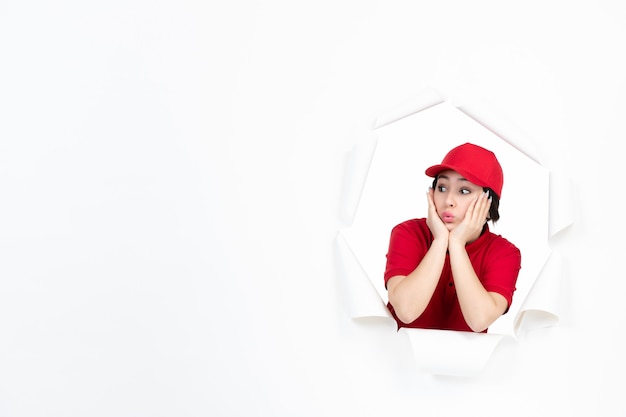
(448, 271)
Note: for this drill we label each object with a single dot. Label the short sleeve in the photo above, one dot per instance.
(408, 243)
(501, 272)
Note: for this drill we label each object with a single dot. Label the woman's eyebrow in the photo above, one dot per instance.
(448, 178)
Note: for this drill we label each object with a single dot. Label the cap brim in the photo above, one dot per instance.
(434, 170)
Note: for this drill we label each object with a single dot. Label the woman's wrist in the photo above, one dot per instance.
(456, 244)
(440, 243)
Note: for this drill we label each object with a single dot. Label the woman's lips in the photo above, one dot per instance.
(447, 217)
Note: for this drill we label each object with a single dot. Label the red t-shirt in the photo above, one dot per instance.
(496, 262)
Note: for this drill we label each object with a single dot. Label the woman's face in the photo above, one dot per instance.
(453, 194)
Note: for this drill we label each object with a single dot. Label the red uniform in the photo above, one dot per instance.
(496, 262)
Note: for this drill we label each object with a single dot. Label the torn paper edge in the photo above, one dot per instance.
(499, 127)
(561, 214)
(541, 306)
(357, 165)
(428, 98)
(451, 353)
(368, 302)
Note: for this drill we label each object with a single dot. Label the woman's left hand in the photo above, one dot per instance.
(475, 218)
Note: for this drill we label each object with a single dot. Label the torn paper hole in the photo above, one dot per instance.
(393, 190)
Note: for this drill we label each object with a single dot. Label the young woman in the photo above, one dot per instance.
(448, 271)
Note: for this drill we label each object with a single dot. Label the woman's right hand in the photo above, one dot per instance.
(435, 224)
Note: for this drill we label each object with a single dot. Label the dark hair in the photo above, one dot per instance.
(494, 214)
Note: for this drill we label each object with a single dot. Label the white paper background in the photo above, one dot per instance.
(171, 176)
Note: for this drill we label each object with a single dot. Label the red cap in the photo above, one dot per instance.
(476, 164)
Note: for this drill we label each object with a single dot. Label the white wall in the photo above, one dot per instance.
(170, 178)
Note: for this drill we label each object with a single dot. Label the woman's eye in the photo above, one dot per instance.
(465, 191)
(441, 188)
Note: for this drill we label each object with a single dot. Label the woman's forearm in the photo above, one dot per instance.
(409, 295)
(480, 308)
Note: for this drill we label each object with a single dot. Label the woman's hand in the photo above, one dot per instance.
(435, 224)
(472, 224)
